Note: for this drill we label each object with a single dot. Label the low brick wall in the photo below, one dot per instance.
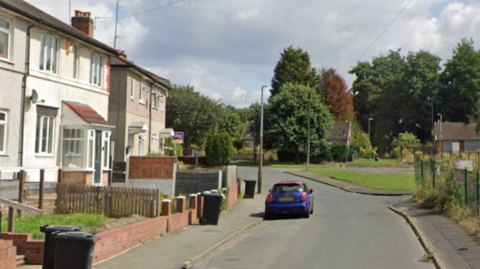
(19, 241)
(34, 252)
(7, 255)
(118, 240)
(233, 194)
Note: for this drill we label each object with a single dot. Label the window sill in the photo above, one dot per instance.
(142, 103)
(4, 155)
(40, 155)
(5, 60)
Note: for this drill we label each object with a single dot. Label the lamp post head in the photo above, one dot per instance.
(370, 118)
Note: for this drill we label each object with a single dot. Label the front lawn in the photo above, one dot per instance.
(394, 163)
(392, 182)
(31, 224)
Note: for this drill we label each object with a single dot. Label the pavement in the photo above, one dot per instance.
(448, 244)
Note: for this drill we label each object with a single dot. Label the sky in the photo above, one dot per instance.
(227, 49)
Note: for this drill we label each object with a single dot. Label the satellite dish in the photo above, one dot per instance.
(34, 96)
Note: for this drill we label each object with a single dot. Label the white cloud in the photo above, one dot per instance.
(226, 48)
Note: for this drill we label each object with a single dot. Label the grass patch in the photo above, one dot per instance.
(391, 182)
(31, 224)
(381, 163)
(390, 163)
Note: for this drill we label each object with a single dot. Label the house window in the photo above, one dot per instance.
(75, 61)
(91, 148)
(156, 98)
(73, 149)
(44, 136)
(48, 53)
(142, 94)
(162, 105)
(4, 37)
(141, 139)
(3, 131)
(106, 149)
(154, 144)
(96, 70)
(132, 89)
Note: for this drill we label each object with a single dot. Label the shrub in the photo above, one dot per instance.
(339, 152)
(219, 149)
(406, 140)
(170, 152)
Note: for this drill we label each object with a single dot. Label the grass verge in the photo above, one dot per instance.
(31, 224)
(390, 163)
(391, 182)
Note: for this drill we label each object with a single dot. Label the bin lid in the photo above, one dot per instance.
(77, 236)
(58, 228)
(250, 180)
(212, 195)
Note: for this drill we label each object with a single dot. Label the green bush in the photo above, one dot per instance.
(219, 149)
(339, 152)
(169, 152)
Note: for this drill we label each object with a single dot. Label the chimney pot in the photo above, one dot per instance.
(86, 14)
(78, 13)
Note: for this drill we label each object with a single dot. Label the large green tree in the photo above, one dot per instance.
(460, 81)
(193, 113)
(287, 119)
(294, 67)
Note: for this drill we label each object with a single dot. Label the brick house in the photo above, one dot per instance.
(456, 137)
(137, 108)
(341, 133)
(54, 106)
(248, 136)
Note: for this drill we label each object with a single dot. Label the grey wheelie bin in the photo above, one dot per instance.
(74, 250)
(49, 246)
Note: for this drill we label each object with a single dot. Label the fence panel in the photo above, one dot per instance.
(113, 202)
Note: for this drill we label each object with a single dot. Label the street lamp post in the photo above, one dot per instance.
(369, 119)
(260, 161)
(431, 105)
(308, 134)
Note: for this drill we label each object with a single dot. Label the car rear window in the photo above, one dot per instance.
(283, 188)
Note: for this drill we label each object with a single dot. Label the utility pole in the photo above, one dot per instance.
(254, 135)
(116, 22)
(308, 135)
(260, 161)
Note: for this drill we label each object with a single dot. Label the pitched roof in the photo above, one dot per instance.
(122, 61)
(87, 114)
(340, 131)
(29, 11)
(456, 131)
(247, 135)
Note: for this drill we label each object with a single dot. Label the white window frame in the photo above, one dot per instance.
(96, 69)
(141, 140)
(48, 52)
(154, 144)
(49, 137)
(162, 103)
(142, 94)
(106, 149)
(74, 144)
(75, 61)
(132, 89)
(156, 98)
(6, 31)
(3, 142)
(91, 149)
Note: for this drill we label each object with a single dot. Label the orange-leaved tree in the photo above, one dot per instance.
(336, 95)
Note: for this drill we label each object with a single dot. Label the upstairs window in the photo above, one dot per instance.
(156, 98)
(48, 54)
(4, 37)
(142, 94)
(75, 61)
(96, 70)
(3, 131)
(132, 89)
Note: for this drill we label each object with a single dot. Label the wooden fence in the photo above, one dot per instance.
(113, 202)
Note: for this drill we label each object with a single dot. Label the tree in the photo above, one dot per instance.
(461, 83)
(287, 119)
(229, 121)
(406, 140)
(219, 149)
(294, 67)
(194, 114)
(336, 95)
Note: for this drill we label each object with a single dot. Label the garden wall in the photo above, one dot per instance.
(7, 255)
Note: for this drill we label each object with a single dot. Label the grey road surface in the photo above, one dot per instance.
(346, 231)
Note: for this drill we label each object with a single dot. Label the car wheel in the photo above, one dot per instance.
(306, 214)
(311, 211)
(203, 221)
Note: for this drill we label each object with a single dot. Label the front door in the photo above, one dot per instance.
(97, 175)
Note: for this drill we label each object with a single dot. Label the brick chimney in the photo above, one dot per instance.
(83, 22)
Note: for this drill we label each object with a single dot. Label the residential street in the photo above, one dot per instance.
(346, 231)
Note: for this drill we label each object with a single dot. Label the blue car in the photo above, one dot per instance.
(289, 198)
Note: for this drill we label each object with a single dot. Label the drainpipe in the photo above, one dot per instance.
(150, 118)
(24, 93)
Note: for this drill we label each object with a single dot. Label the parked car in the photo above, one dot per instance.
(289, 198)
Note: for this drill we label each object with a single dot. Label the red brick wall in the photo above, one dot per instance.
(116, 241)
(233, 194)
(19, 241)
(178, 221)
(82, 178)
(7, 255)
(150, 167)
(34, 252)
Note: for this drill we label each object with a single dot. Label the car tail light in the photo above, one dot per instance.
(304, 197)
(269, 198)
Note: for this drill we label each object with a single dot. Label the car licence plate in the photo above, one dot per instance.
(286, 199)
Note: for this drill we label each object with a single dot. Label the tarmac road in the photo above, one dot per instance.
(346, 231)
